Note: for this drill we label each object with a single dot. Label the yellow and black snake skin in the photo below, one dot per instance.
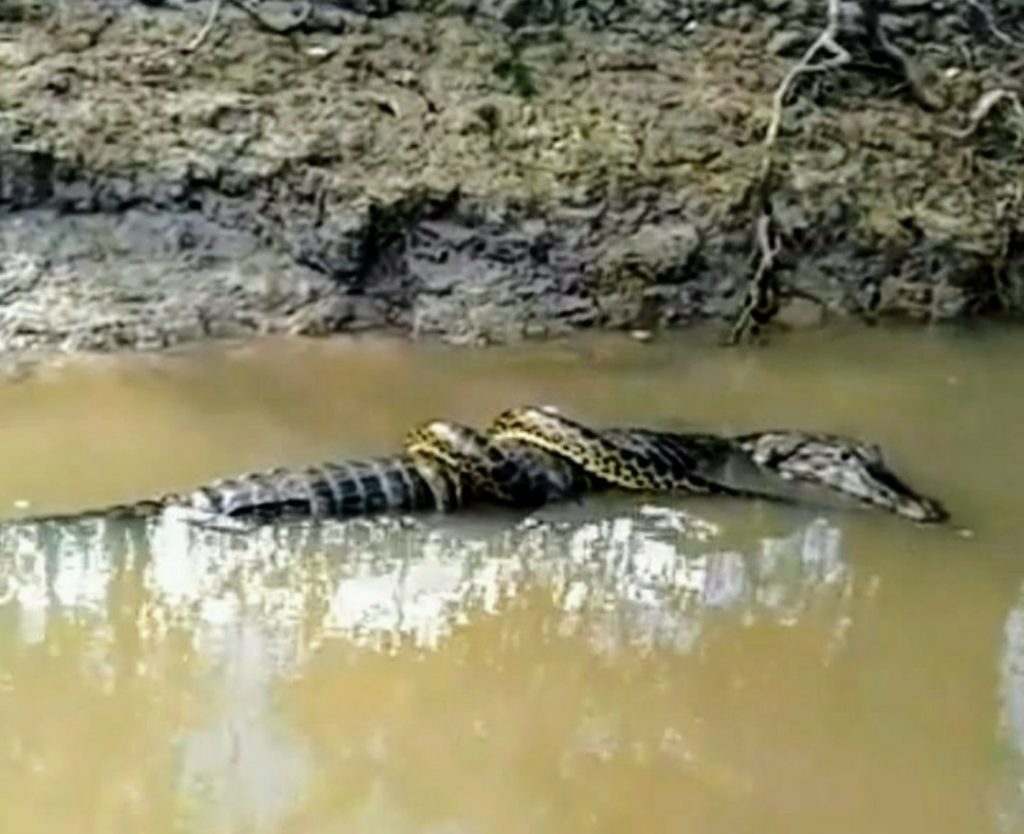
(532, 455)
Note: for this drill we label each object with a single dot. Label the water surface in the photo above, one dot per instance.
(656, 664)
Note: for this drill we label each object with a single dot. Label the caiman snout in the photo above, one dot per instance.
(886, 490)
(842, 465)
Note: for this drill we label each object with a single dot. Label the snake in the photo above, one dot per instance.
(530, 455)
(444, 466)
(702, 463)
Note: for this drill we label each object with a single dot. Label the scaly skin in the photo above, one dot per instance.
(847, 466)
(648, 460)
(358, 487)
(623, 458)
(446, 466)
(500, 470)
(531, 456)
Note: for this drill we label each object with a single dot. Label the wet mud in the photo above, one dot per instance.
(486, 172)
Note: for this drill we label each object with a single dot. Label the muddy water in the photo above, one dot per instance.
(655, 664)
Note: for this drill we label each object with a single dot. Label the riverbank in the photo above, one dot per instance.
(488, 172)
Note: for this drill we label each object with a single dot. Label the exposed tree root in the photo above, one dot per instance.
(202, 34)
(297, 25)
(826, 53)
(304, 22)
(991, 25)
(986, 105)
(761, 301)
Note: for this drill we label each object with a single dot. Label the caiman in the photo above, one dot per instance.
(445, 467)
(531, 456)
(778, 464)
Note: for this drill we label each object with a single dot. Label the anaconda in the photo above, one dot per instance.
(531, 456)
(500, 470)
(650, 460)
(445, 466)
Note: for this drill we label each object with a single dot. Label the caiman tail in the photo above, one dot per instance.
(348, 488)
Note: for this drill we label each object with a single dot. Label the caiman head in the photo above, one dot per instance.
(842, 465)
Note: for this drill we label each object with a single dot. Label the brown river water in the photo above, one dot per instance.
(655, 664)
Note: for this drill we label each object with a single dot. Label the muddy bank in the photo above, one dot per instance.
(489, 171)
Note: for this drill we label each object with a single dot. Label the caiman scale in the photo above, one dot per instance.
(445, 466)
(531, 456)
(758, 464)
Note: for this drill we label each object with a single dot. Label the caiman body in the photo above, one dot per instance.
(446, 467)
(531, 456)
(347, 488)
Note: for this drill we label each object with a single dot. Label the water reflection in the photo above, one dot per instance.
(603, 668)
(259, 607)
(1010, 801)
(459, 674)
(89, 703)
(663, 573)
